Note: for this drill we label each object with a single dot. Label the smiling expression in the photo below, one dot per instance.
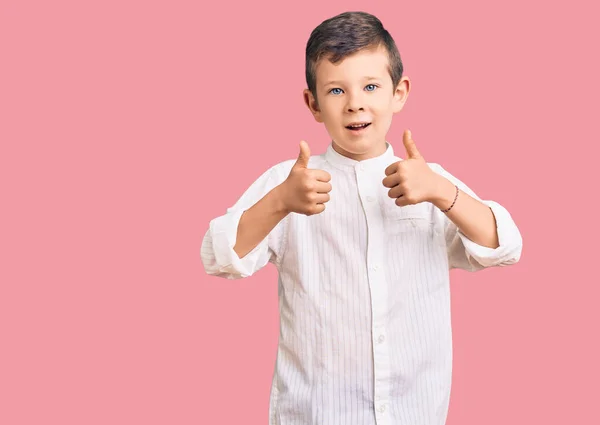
(356, 102)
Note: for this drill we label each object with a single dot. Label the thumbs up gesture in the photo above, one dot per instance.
(411, 181)
(305, 191)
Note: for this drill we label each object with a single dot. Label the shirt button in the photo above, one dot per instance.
(370, 199)
(381, 338)
(382, 408)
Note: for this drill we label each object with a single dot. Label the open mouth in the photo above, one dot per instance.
(358, 127)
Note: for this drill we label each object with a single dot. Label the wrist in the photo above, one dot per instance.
(445, 193)
(279, 201)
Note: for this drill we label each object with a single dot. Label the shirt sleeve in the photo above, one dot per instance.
(217, 253)
(465, 254)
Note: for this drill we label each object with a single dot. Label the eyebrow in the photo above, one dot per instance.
(341, 82)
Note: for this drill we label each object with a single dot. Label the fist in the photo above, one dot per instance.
(305, 191)
(411, 181)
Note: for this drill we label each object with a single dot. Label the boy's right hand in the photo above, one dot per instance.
(305, 191)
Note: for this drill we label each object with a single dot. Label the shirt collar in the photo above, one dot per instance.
(343, 162)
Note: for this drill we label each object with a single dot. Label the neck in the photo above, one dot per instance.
(371, 152)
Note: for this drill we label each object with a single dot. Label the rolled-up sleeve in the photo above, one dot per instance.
(217, 253)
(465, 254)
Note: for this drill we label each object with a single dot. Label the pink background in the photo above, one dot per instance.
(125, 126)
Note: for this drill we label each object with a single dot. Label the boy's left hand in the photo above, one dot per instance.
(411, 181)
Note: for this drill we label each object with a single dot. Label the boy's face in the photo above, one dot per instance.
(357, 90)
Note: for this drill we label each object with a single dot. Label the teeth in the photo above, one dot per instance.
(358, 125)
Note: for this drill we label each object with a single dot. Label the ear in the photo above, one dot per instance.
(312, 105)
(401, 94)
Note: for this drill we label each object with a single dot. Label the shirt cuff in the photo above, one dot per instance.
(224, 237)
(509, 240)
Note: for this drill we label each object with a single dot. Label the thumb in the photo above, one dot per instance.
(304, 155)
(410, 146)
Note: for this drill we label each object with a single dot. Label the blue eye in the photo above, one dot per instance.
(337, 88)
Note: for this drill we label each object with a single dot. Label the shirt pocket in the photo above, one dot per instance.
(399, 219)
(414, 219)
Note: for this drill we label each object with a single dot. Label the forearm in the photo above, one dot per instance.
(475, 219)
(258, 221)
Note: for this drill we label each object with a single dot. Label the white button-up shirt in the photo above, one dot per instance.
(364, 295)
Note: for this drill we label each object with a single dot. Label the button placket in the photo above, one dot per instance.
(368, 188)
(363, 187)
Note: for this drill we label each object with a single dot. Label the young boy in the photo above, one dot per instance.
(363, 242)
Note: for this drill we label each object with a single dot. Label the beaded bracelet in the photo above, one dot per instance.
(448, 209)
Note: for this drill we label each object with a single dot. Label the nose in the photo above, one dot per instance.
(355, 102)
